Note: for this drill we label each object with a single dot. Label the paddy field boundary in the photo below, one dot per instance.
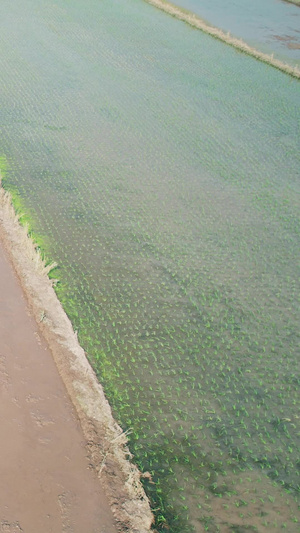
(196, 22)
(107, 448)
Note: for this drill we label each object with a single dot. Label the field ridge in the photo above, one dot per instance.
(107, 447)
(196, 22)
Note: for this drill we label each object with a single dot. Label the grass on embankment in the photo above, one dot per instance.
(296, 2)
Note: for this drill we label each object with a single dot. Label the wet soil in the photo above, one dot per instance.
(46, 482)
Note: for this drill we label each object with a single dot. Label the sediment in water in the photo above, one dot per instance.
(106, 442)
(239, 44)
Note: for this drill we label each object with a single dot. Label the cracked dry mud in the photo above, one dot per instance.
(46, 484)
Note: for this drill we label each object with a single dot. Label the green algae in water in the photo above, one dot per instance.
(160, 169)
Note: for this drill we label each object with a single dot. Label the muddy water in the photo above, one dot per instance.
(159, 168)
(46, 484)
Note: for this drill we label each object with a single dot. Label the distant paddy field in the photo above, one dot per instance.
(271, 26)
(159, 168)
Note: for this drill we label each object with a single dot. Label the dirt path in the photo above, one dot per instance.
(45, 482)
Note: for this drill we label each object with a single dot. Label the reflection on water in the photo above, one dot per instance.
(272, 26)
(160, 170)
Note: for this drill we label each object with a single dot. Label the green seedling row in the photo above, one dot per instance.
(158, 168)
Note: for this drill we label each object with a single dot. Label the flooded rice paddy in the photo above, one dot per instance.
(159, 168)
(272, 26)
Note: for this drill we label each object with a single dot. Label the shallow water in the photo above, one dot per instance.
(159, 168)
(272, 26)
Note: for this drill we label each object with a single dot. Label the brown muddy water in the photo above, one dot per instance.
(46, 483)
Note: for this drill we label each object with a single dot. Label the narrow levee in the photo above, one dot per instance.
(239, 44)
(47, 445)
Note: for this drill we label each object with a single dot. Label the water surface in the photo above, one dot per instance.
(160, 169)
(272, 26)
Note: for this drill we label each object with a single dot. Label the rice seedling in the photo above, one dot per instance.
(194, 354)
